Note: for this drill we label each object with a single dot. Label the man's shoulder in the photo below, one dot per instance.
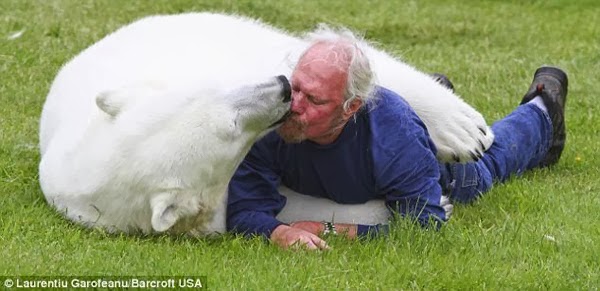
(387, 99)
(395, 128)
(394, 124)
(391, 110)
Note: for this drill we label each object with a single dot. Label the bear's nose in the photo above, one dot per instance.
(287, 88)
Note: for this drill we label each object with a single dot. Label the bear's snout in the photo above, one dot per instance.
(287, 88)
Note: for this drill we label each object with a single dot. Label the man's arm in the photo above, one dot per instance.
(254, 201)
(410, 181)
(405, 166)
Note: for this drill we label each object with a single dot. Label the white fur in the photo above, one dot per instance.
(303, 207)
(139, 132)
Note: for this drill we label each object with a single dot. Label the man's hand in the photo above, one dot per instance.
(317, 228)
(313, 227)
(286, 236)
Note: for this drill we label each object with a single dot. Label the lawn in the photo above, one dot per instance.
(539, 231)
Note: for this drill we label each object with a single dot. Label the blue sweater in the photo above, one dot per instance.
(383, 153)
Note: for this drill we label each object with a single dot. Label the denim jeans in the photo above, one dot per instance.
(522, 139)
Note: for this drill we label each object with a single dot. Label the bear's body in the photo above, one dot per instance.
(143, 130)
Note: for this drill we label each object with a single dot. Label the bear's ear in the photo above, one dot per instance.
(164, 212)
(113, 102)
(110, 102)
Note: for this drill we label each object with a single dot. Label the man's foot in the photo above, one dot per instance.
(551, 84)
(443, 80)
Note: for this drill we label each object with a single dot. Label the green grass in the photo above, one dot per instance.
(489, 49)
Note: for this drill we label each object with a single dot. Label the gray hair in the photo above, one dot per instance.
(361, 79)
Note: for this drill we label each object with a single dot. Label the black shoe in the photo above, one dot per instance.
(442, 79)
(551, 84)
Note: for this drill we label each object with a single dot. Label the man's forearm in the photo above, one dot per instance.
(252, 223)
(369, 231)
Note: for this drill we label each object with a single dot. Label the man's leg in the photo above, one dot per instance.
(533, 135)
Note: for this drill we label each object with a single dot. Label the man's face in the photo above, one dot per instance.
(318, 85)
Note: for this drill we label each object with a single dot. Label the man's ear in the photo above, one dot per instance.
(353, 107)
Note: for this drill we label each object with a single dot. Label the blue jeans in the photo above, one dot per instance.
(522, 139)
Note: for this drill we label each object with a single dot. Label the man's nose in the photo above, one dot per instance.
(297, 102)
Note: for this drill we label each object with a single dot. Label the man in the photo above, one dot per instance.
(350, 141)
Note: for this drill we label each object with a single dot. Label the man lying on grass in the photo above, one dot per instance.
(350, 141)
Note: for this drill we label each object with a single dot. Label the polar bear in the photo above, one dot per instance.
(143, 130)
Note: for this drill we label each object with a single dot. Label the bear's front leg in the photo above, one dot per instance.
(459, 132)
